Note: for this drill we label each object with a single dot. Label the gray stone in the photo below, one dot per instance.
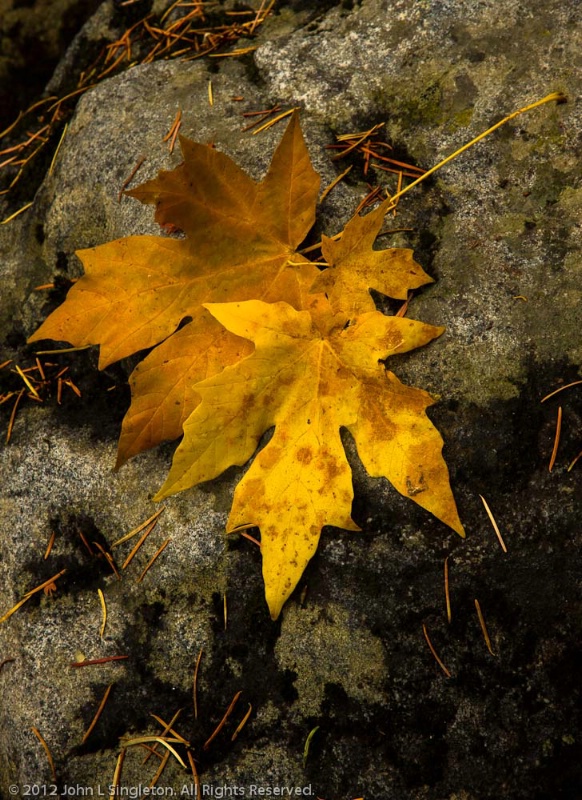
(499, 230)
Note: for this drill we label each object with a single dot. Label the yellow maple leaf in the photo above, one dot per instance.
(311, 373)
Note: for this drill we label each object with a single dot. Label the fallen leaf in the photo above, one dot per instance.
(311, 373)
(162, 385)
(239, 237)
(355, 267)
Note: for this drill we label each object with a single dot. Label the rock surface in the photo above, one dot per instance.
(33, 35)
(499, 230)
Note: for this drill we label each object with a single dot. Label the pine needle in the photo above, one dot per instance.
(434, 652)
(556, 440)
(104, 610)
(97, 714)
(47, 751)
(483, 627)
(495, 527)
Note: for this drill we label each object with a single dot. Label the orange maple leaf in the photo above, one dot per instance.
(354, 267)
(240, 236)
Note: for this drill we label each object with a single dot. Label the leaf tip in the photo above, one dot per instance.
(275, 605)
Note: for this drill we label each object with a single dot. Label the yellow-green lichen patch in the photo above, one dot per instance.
(331, 648)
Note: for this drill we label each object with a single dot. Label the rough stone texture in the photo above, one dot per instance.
(33, 35)
(500, 224)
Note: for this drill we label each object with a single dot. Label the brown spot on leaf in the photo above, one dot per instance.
(254, 487)
(270, 456)
(304, 455)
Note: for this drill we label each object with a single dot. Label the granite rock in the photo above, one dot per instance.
(499, 230)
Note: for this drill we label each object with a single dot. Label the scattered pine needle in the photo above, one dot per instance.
(483, 627)
(167, 728)
(404, 307)
(274, 121)
(170, 133)
(225, 610)
(307, 744)
(334, 183)
(41, 586)
(167, 743)
(47, 751)
(139, 528)
(210, 94)
(317, 245)
(129, 179)
(447, 595)
(48, 583)
(358, 139)
(56, 153)
(62, 349)
(117, 775)
(104, 610)
(373, 196)
(561, 389)
(13, 415)
(195, 684)
(558, 97)
(16, 213)
(242, 51)
(250, 538)
(151, 750)
(140, 542)
(575, 460)
(197, 787)
(242, 723)
(150, 563)
(26, 381)
(262, 116)
(434, 652)
(108, 558)
(88, 547)
(97, 714)
(556, 440)
(173, 132)
(90, 662)
(160, 769)
(222, 722)
(61, 100)
(494, 523)
(13, 609)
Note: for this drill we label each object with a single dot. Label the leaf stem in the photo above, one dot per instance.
(557, 96)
